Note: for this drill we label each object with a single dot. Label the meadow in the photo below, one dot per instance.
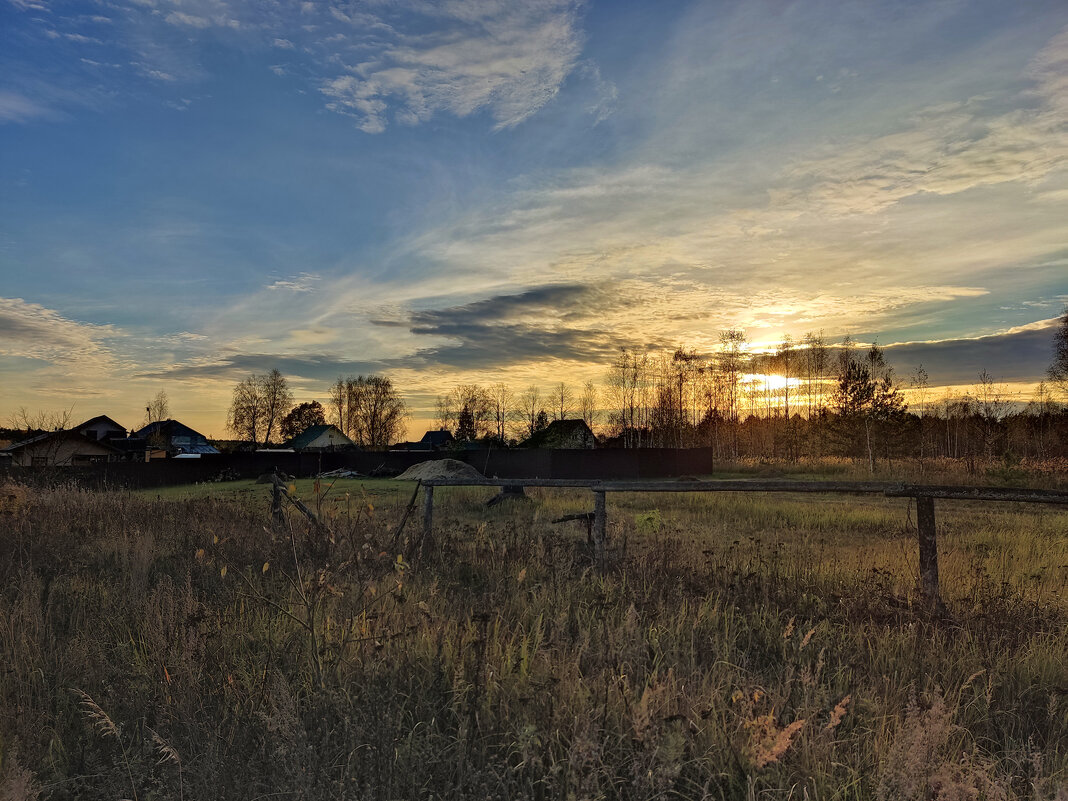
(179, 644)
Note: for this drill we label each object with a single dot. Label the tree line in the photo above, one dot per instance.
(805, 398)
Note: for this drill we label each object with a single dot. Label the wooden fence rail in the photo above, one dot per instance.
(923, 494)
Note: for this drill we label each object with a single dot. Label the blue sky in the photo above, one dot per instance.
(191, 190)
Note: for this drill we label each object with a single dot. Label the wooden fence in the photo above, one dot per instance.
(924, 495)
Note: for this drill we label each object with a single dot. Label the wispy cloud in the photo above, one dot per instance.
(379, 63)
(509, 58)
(15, 107)
(31, 331)
(305, 282)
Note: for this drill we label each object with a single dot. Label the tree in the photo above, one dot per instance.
(259, 403)
(866, 400)
(588, 403)
(1058, 370)
(502, 410)
(369, 410)
(245, 418)
(541, 421)
(158, 408)
(277, 401)
(530, 402)
(561, 399)
(302, 417)
(33, 423)
(628, 396)
(473, 406)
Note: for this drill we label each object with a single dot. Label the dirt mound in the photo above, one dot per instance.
(439, 468)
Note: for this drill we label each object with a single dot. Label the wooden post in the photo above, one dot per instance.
(276, 503)
(925, 523)
(428, 516)
(599, 527)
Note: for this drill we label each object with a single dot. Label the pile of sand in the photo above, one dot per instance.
(439, 468)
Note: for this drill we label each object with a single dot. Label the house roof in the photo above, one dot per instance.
(100, 418)
(312, 433)
(169, 429)
(65, 434)
(437, 438)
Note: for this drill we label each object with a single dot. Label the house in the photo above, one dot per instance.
(321, 438)
(562, 434)
(61, 449)
(100, 429)
(432, 441)
(173, 438)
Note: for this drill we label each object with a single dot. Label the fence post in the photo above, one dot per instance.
(276, 501)
(428, 516)
(925, 523)
(599, 526)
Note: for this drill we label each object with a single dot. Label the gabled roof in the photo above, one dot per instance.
(312, 433)
(437, 438)
(169, 429)
(65, 434)
(100, 418)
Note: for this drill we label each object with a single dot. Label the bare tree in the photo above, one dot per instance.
(40, 422)
(530, 403)
(158, 408)
(502, 409)
(588, 403)
(473, 405)
(628, 396)
(446, 415)
(560, 400)
(338, 404)
(1058, 369)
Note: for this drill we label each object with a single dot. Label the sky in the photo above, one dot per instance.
(459, 191)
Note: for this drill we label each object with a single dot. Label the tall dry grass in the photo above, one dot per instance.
(740, 647)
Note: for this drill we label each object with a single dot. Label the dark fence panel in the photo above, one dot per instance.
(643, 463)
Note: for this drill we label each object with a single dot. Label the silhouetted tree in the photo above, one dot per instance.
(369, 410)
(302, 417)
(1058, 369)
(259, 403)
(157, 408)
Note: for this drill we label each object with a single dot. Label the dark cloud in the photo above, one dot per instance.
(1018, 356)
(534, 325)
(496, 346)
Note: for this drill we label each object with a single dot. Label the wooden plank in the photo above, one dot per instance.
(925, 523)
(978, 493)
(600, 527)
(509, 482)
(749, 485)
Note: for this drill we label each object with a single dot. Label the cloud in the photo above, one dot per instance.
(190, 20)
(31, 331)
(380, 63)
(947, 148)
(1021, 354)
(508, 58)
(305, 282)
(18, 108)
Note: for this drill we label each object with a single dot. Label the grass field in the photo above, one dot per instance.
(177, 644)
